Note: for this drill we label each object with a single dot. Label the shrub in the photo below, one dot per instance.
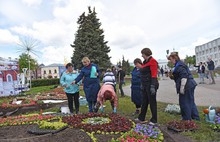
(45, 82)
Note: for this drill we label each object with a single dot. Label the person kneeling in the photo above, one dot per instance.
(106, 93)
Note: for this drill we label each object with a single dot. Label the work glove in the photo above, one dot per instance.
(182, 87)
(102, 109)
(115, 110)
(152, 90)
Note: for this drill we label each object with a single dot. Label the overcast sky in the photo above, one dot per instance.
(129, 26)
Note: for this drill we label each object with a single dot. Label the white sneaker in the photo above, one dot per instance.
(153, 124)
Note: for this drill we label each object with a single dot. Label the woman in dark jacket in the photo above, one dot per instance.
(185, 86)
(136, 86)
(91, 84)
(150, 85)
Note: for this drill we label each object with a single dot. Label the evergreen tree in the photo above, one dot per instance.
(89, 42)
(126, 66)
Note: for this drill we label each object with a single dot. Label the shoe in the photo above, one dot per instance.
(139, 121)
(136, 113)
(153, 124)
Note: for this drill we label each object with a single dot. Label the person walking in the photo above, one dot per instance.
(150, 85)
(185, 86)
(121, 81)
(72, 91)
(211, 67)
(161, 71)
(136, 95)
(201, 72)
(90, 74)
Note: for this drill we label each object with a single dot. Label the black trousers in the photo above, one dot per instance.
(121, 89)
(147, 98)
(71, 97)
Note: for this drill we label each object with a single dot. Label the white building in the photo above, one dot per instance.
(163, 63)
(52, 71)
(210, 49)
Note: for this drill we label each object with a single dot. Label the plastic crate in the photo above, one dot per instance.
(82, 101)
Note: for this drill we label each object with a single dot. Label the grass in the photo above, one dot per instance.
(126, 108)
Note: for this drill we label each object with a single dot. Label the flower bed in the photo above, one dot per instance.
(25, 102)
(54, 94)
(114, 123)
(183, 125)
(216, 126)
(142, 133)
(173, 109)
(23, 119)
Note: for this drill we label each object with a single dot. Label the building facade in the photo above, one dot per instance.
(210, 49)
(52, 71)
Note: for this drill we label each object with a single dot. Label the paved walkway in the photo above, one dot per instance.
(205, 94)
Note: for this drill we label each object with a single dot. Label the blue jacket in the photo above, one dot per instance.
(182, 71)
(91, 86)
(136, 94)
(67, 79)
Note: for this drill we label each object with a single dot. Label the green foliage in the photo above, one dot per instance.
(170, 65)
(191, 60)
(89, 42)
(125, 66)
(45, 82)
(23, 62)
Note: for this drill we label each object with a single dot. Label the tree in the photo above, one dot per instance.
(191, 60)
(23, 62)
(126, 66)
(170, 65)
(89, 41)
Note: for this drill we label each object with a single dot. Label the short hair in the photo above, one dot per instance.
(68, 65)
(108, 70)
(85, 59)
(137, 60)
(174, 55)
(146, 51)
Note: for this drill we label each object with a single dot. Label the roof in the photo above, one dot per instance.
(54, 65)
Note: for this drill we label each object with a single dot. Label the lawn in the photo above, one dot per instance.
(126, 108)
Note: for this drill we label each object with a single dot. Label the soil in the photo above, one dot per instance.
(20, 134)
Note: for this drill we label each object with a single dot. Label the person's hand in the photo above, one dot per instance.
(73, 82)
(152, 90)
(182, 87)
(102, 109)
(115, 110)
(96, 74)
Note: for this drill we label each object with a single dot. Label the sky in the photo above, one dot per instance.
(129, 26)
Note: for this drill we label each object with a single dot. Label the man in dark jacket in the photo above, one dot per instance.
(121, 81)
(211, 68)
(185, 86)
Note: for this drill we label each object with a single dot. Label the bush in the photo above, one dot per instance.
(45, 82)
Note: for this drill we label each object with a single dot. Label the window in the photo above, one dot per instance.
(55, 71)
(49, 71)
(45, 72)
(9, 78)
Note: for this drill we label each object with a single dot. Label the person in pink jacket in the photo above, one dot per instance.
(106, 93)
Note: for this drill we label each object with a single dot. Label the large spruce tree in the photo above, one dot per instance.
(89, 42)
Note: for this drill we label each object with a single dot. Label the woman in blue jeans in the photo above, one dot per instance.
(185, 86)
